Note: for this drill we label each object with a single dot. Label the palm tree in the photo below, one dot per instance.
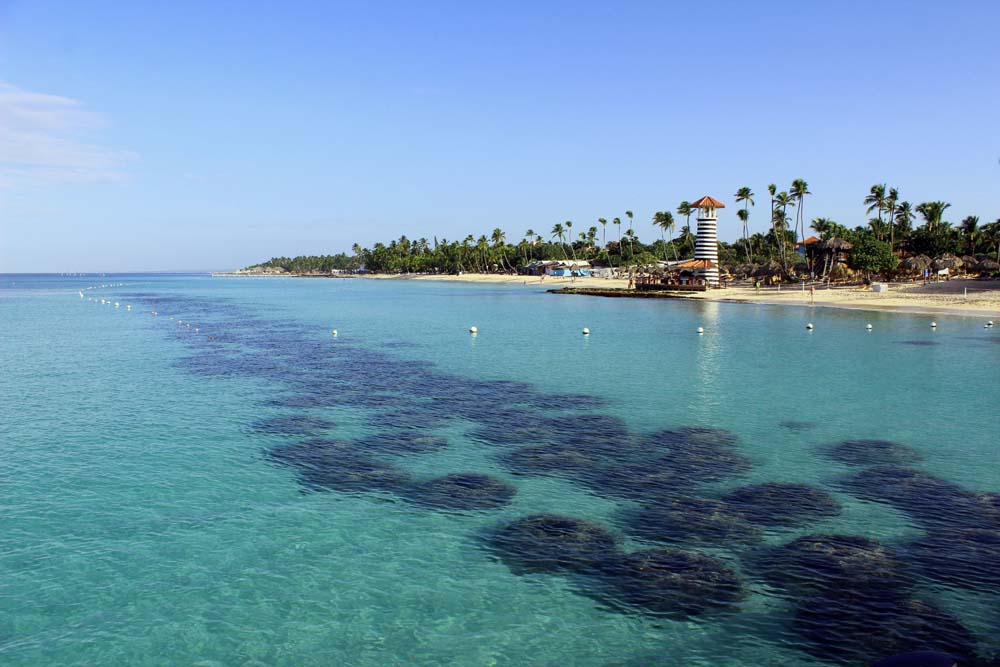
(970, 228)
(684, 208)
(890, 210)
(618, 223)
(558, 231)
(530, 235)
(783, 200)
(665, 221)
(743, 216)
(604, 239)
(631, 249)
(569, 233)
(799, 191)
(745, 195)
(903, 219)
(499, 242)
(876, 202)
(932, 212)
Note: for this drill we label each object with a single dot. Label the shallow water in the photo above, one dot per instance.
(148, 516)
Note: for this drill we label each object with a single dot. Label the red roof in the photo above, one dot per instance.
(706, 202)
(811, 239)
(695, 264)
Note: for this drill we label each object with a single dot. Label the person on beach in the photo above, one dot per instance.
(812, 294)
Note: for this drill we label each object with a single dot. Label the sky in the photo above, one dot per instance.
(152, 136)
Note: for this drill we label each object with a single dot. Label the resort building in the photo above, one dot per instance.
(706, 247)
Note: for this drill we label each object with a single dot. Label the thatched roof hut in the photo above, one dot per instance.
(916, 264)
(837, 244)
(947, 261)
(987, 266)
(969, 261)
(772, 268)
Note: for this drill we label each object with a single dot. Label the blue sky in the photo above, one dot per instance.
(193, 135)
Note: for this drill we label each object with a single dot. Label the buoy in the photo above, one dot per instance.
(869, 326)
(473, 330)
(933, 325)
(196, 329)
(990, 323)
(117, 305)
(701, 330)
(586, 331)
(188, 326)
(128, 307)
(334, 333)
(809, 326)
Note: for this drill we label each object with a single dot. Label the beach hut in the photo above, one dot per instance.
(569, 267)
(987, 267)
(947, 261)
(916, 264)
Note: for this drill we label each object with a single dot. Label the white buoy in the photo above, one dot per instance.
(128, 307)
(701, 330)
(189, 326)
(196, 329)
(473, 330)
(586, 331)
(334, 333)
(990, 323)
(933, 325)
(117, 305)
(809, 326)
(869, 326)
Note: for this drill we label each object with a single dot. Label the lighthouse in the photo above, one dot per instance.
(706, 246)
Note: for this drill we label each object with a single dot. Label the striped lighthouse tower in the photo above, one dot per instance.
(706, 246)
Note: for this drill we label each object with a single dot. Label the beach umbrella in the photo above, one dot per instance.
(987, 266)
(837, 244)
(968, 261)
(947, 261)
(916, 264)
(772, 268)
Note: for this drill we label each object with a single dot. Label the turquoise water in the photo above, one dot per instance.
(146, 520)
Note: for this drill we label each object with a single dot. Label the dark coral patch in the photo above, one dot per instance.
(834, 566)
(462, 491)
(669, 582)
(554, 461)
(401, 442)
(856, 631)
(323, 464)
(918, 343)
(966, 558)
(781, 504)
(934, 502)
(551, 543)
(872, 452)
(691, 520)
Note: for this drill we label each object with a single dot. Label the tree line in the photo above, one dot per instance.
(888, 233)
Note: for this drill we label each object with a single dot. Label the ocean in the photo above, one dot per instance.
(228, 483)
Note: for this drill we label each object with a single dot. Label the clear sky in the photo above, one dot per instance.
(210, 135)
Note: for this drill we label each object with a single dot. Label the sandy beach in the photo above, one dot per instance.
(951, 297)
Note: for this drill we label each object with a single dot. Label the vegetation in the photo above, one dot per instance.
(875, 247)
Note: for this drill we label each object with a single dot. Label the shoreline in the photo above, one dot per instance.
(958, 297)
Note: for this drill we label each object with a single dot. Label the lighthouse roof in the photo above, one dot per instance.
(707, 202)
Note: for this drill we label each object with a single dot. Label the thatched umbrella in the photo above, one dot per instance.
(947, 261)
(987, 266)
(837, 244)
(969, 261)
(916, 264)
(772, 268)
